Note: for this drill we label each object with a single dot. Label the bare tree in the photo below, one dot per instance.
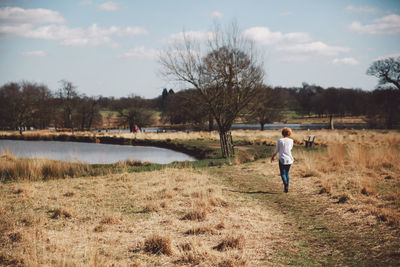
(67, 95)
(133, 111)
(387, 70)
(225, 71)
(266, 107)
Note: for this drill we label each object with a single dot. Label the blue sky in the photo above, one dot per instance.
(111, 48)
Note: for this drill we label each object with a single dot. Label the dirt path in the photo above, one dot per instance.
(326, 232)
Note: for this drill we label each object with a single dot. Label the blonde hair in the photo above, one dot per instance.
(286, 132)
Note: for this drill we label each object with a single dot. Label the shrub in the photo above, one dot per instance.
(156, 244)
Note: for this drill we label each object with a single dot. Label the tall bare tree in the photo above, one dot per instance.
(67, 95)
(266, 107)
(225, 71)
(387, 70)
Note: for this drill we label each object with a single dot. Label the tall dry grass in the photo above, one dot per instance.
(358, 166)
(12, 168)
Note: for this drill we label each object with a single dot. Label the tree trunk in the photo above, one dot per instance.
(210, 122)
(262, 126)
(331, 125)
(227, 148)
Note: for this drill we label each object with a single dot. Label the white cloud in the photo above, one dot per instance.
(216, 14)
(387, 25)
(140, 51)
(361, 9)
(314, 48)
(190, 35)
(264, 36)
(92, 36)
(109, 6)
(345, 61)
(47, 24)
(128, 31)
(38, 53)
(16, 15)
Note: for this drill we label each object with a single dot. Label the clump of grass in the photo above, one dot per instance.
(220, 226)
(200, 231)
(198, 214)
(151, 206)
(243, 157)
(157, 244)
(231, 242)
(369, 189)
(325, 190)
(69, 194)
(343, 198)
(18, 191)
(233, 262)
(388, 216)
(217, 202)
(110, 220)
(15, 237)
(60, 213)
(8, 156)
(191, 254)
(99, 228)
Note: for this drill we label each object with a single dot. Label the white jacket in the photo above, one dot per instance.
(284, 148)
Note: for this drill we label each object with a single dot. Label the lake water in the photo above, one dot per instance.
(298, 126)
(91, 153)
(268, 126)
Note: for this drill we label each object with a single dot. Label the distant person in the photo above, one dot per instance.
(136, 130)
(284, 148)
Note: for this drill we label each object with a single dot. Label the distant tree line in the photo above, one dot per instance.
(381, 106)
(26, 105)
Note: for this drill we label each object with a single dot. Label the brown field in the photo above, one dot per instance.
(343, 209)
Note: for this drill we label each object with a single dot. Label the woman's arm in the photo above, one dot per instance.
(273, 156)
(275, 152)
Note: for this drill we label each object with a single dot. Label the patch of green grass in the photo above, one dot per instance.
(292, 258)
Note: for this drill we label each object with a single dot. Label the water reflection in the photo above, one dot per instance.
(91, 153)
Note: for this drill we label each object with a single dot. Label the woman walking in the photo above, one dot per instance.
(284, 148)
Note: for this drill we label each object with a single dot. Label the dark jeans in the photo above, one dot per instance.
(284, 169)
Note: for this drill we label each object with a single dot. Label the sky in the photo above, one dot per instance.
(111, 48)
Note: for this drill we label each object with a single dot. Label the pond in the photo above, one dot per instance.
(268, 126)
(298, 126)
(91, 153)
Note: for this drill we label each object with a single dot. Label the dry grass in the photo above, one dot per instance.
(112, 220)
(198, 214)
(12, 168)
(355, 164)
(231, 242)
(157, 244)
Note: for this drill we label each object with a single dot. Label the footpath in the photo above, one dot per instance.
(327, 232)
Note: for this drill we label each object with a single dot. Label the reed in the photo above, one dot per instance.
(12, 168)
